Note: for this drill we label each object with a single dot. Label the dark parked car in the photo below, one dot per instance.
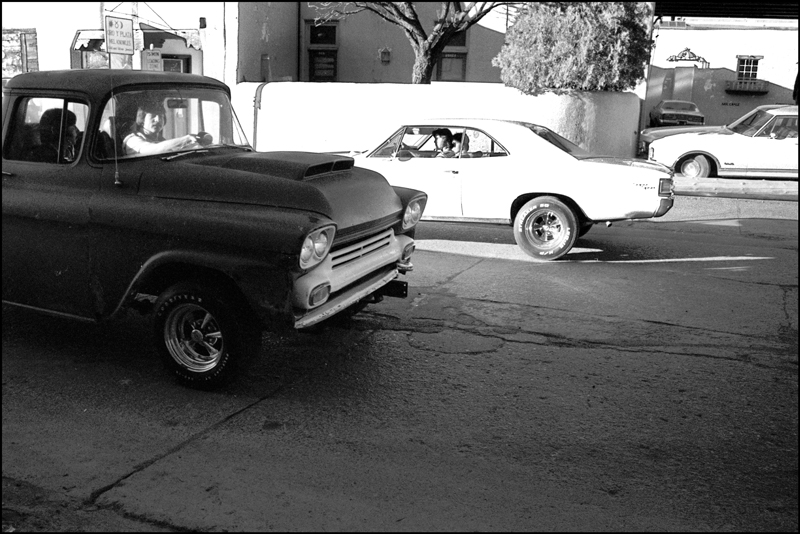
(216, 240)
(676, 113)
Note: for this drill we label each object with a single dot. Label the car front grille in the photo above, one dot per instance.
(361, 249)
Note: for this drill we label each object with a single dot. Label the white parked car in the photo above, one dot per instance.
(763, 145)
(648, 135)
(516, 172)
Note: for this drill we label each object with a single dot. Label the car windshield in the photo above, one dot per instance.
(752, 124)
(556, 140)
(680, 106)
(202, 116)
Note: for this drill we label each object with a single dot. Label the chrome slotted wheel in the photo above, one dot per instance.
(544, 228)
(193, 338)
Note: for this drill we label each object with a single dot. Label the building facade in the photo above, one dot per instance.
(282, 42)
(725, 66)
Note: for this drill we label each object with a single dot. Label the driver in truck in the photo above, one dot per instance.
(146, 136)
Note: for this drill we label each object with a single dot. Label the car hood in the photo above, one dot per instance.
(320, 183)
(651, 134)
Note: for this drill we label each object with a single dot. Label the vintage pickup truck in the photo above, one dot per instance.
(138, 189)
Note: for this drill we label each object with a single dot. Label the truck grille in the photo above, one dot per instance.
(356, 251)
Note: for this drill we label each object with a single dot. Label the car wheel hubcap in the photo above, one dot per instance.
(193, 338)
(691, 169)
(544, 228)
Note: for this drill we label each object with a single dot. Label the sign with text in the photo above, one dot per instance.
(152, 60)
(119, 36)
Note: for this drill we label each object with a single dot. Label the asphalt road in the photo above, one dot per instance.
(647, 382)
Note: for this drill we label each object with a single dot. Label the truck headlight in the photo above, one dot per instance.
(412, 214)
(316, 246)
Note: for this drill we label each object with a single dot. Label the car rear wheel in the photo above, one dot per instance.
(203, 336)
(696, 167)
(545, 228)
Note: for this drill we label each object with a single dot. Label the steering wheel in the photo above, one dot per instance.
(203, 138)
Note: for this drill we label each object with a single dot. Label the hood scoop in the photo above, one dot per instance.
(292, 165)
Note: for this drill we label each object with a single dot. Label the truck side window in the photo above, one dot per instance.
(46, 130)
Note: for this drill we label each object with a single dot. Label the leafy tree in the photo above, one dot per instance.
(583, 46)
(452, 17)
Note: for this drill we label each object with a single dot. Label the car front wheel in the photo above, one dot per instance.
(545, 228)
(696, 167)
(202, 336)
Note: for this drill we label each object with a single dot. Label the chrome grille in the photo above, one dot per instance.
(353, 252)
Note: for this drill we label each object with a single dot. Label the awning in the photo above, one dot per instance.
(157, 36)
(86, 40)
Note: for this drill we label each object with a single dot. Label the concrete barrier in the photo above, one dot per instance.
(736, 188)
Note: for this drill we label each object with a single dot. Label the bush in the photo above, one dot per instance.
(576, 46)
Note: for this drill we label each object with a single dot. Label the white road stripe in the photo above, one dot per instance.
(513, 252)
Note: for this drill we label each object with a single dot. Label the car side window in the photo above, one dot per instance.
(483, 146)
(46, 130)
(780, 128)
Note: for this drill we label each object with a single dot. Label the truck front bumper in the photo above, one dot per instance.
(352, 274)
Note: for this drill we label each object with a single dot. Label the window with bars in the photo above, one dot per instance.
(747, 67)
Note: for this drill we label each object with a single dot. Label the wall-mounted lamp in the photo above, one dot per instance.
(386, 55)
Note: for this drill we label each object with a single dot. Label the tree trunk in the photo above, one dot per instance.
(423, 67)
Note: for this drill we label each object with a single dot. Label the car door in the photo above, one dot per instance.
(488, 182)
(408, 159)
(47, 200)
(774, 149)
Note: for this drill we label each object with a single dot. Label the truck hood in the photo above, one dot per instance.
(327, 185)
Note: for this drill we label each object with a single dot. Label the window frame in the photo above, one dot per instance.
(747, 67)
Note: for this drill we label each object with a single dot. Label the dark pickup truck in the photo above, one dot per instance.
(139, 189)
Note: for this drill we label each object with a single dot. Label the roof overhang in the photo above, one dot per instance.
(735, 10)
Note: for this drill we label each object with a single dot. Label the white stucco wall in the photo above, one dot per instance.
(332, 117)
(720, 41)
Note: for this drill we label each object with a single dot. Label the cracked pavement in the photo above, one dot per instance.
(497, 396)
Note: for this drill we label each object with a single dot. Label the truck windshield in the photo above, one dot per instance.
(167, 120)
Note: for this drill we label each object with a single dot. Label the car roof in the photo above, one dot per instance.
(677, 102)
(101, 80)
(459, 121)
(782, 110)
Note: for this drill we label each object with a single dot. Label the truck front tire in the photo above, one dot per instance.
(203, 336)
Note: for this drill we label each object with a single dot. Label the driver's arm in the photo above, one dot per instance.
(136, 145)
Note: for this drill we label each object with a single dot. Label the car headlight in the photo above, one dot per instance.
(316, 246)
(413, 213)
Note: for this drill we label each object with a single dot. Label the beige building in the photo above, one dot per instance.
(725, 66)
